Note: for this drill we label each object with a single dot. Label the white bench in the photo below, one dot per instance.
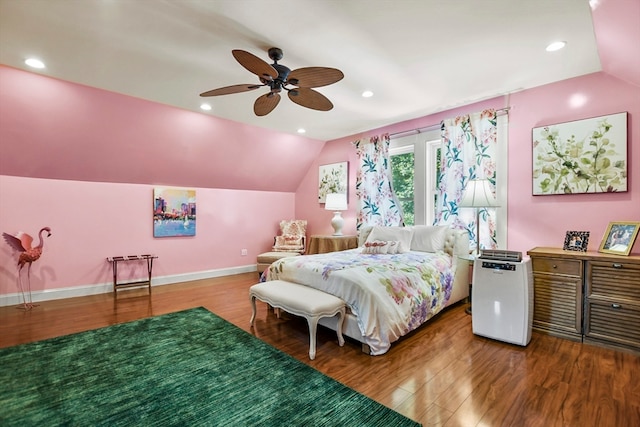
(300, 300)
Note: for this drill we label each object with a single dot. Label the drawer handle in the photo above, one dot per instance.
(555, 266)
(616, 306)
(616, 265)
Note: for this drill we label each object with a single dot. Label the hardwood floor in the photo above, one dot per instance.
(441, 374)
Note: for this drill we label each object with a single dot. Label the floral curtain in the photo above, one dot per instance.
(377, 203)
(469, 146)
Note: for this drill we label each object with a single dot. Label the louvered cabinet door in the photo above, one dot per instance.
(612, 304)
(557, 296)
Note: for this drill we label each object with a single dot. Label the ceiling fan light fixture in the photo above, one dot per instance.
(205, 107)
(302, 130)
(367, 94)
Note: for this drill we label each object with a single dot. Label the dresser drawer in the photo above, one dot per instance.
(567, 267)
(614, 280)
(557, 305)
(613, 323)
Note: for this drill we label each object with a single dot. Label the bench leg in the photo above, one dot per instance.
(313, 327)
(341, 314)
(253, 309)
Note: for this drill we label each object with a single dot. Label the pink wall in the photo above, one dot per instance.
(92, 221)
(532, 221)
(55, 129)
(85, 161)
(68, 180)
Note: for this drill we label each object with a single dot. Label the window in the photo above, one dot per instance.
(425, 147)
(402, 169)
(414, 168)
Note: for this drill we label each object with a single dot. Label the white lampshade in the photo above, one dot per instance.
(336, 202)
(478, 194)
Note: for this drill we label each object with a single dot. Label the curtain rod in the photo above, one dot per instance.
(433, 127)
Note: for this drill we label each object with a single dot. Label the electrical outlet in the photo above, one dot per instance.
(243, 252)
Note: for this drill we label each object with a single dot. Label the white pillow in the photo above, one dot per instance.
(400, 234)
(363, 234)
(427, 238)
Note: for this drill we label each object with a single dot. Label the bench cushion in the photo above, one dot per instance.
(296, 299)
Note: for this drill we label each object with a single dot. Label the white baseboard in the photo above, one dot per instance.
(103, 288)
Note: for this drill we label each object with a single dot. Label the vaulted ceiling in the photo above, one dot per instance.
(417, 57)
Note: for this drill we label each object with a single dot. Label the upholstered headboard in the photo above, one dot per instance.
(456, 242)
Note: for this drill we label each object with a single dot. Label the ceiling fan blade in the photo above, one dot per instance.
(230, 89)
(310, 98)
(314, 76)
(266, 103)
(254, 64)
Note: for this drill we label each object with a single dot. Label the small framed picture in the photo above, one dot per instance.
(576, 241)
(619, 237)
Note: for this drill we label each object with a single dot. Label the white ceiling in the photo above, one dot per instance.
(417, 56)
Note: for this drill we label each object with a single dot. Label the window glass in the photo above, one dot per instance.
(402, 168)
(414, 170)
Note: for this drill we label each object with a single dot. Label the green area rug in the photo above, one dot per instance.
(184, 368)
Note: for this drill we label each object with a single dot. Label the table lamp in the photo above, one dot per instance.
(477, 194)
(336, 202)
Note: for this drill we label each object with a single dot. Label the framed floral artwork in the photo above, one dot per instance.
(619, 237)
(582, 156)
(576, 241)
(174, 212)
(332, 178)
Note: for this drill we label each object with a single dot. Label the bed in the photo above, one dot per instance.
(395, 281)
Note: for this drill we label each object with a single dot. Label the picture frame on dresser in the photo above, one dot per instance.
(619, 237)
(576, 241)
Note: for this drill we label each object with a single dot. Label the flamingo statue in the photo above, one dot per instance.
(21, 242)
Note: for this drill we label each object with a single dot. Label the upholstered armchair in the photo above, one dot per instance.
(292, 236)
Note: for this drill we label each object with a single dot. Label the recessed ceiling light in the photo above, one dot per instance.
(556, 46)
(35, 63)
(205, 107)
(367, 94)
(301, 130)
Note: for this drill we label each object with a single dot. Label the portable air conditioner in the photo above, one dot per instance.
(502, 298)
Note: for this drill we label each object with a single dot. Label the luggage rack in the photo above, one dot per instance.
(114, 261)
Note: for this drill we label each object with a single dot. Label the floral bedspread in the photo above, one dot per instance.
(390, 295)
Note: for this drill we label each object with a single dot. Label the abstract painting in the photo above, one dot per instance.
(174, 212)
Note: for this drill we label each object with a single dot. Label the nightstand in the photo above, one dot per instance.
(320, 244)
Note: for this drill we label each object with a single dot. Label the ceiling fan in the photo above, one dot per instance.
(278, 77)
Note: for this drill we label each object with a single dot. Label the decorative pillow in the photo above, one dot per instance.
(381, 247)
(428, 238)
(288, 240)
(288, 243)
(398, 234)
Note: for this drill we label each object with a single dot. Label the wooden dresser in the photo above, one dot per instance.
(587, 296)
